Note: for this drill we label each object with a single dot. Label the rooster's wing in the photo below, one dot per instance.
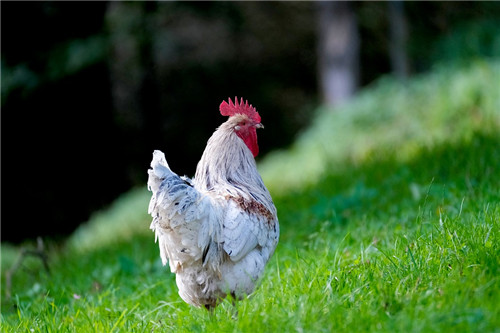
(185, 221)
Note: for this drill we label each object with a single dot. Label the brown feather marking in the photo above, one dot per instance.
(254, 207)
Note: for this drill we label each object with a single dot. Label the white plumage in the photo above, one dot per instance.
(217, 231)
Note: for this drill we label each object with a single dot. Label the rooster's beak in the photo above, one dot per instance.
(259, 126)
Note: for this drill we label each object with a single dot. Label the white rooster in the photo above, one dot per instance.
(218, 230)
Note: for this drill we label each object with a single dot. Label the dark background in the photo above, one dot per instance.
(89, 89)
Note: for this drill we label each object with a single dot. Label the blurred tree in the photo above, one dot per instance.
(338, 51)
(124, 23)
(398, 39)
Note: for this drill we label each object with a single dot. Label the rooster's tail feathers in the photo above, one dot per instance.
(159, 171)
(160, 165)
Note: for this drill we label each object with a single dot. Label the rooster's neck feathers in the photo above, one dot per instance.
(228, 167)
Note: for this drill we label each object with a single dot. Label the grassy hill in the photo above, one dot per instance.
(390, 218)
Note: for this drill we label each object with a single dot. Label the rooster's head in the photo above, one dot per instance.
(244, 120)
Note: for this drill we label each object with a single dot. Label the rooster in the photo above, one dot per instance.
(218, 230)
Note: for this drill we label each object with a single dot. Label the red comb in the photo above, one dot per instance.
(232, 109)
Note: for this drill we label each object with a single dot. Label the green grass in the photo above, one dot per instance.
(398, 230)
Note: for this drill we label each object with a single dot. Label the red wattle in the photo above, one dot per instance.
(250, 139)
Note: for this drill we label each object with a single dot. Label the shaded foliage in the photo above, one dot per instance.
(89, 89)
